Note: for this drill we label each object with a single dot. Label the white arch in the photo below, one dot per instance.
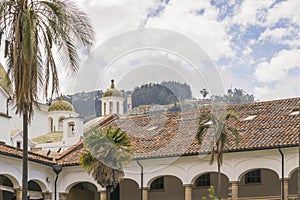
(13, 180)
(68, 179)
(153, 178)
(41, 184)
(12, 172)
(292, 171)
(247, 165)
(69, 187)
(208, 172)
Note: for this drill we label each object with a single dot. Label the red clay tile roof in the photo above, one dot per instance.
(18, 153)
(173, 134)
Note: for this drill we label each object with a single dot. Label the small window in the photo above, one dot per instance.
(110, 107)
(104, 107)
(203, 180)
(18, 144)
(118, 108)
(157, 184)
(253, 176)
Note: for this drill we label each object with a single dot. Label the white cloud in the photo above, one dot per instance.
(278, 67)
(110, 18)
(251, 12)
(275, 35)
(285, 9)
(284, 89)
(205, 29)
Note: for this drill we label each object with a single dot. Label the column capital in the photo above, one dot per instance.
(187, 185)
(284, 179)
(234, 182)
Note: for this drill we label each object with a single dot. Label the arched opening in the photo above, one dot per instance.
(71, 129)
(118, 107)
(104, 108)
(34, 190)
(110, 107)
(202, 182)
(293, 183)
(167, 188)
(129, 190)
(51, 129)
(259, 183)
(6, 188)
(60, 123)
(83, 190)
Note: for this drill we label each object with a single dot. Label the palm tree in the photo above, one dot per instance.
(222, 128)
(32, 29)
(106, 153)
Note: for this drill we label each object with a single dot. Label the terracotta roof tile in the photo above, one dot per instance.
(173, 134)
(18, 153)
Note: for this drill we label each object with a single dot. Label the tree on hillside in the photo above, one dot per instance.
(106, 153)
(236, 96)
(221, 129)
(32, 29)
(163, 94)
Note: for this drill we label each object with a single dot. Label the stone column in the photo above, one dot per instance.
(145, 193)
(285, 187)
(188, 192)
(63, 196)
(234, 190)
(47, 196)
(19, 193)
(103, 195)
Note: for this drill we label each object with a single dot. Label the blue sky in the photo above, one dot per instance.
(255, 44)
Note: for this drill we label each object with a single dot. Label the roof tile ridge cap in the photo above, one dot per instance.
(17, 150)
(38, 154)
(70, 149)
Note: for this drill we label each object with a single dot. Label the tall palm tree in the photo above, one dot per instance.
(32, 29)
(106, 153)
(221, 128)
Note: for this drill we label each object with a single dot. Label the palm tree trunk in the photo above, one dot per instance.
(219, 181)
(25, 157)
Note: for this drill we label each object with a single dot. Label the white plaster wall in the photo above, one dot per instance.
(114, 100)
(38, 125)
(3, 99)
(5, 129)
(78, 128)
(13, 168)
(73, 175)
(56, 115)
(4, 121)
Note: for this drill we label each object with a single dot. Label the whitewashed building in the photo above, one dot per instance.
(168, 162)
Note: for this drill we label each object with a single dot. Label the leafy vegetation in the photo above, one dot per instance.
(107, 151)
(163, 94)
(236, 96)
(32, 29)
(221, 128)
(211, 194)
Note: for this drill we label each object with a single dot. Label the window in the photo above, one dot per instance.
(18, 144)
(203, 180)
(157, 184)
(253, 176)
(50, 124)
(110, 107)
(104, 108)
